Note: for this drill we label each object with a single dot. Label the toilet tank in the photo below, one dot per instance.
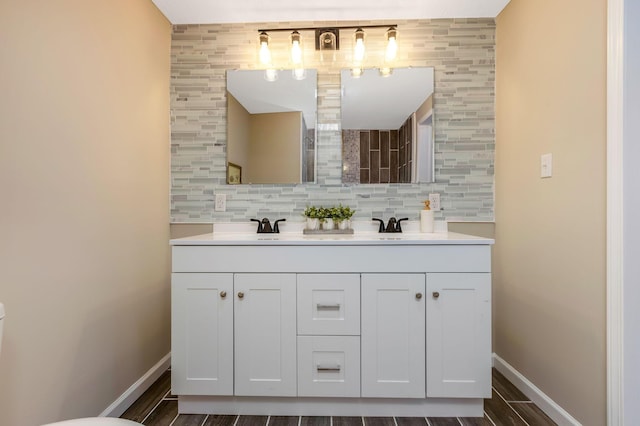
(1, 323)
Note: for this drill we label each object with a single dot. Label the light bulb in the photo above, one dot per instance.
(265, 53)
(296, 48)
(392, 45)
(358, 51)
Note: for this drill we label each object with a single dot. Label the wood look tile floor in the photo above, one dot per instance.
(507, 407)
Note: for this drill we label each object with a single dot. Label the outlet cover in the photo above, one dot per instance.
(221, 203)
(434, 202)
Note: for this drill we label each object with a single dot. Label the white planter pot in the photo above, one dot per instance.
(344, 224)
(327, 224)
(313, 224)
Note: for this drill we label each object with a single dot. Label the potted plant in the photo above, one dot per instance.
(313, 216)
(343, 216)
(326, 218)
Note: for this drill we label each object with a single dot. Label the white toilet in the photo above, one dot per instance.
(93, 421)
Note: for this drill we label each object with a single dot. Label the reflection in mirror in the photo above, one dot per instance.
(271, 127)
(387, 126)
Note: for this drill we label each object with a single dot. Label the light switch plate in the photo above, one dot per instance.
(546, 161)
(221, 203)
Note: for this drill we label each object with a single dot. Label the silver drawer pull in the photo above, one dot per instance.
(328, 306)
(321, 367)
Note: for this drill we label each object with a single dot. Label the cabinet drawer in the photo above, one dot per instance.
(329, 366)
(329, 304)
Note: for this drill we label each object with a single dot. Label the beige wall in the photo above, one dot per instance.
(549, 264)
(84, 222)
(275, 148)
(239, 122)
(181, 230)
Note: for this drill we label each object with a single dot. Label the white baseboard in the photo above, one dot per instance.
(134, 392)
(546, 404)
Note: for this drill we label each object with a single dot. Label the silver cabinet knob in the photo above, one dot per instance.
(436, 294)
(223, 294)
(240, 295)
(418, 296)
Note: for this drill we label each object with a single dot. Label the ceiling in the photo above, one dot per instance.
(219, 11)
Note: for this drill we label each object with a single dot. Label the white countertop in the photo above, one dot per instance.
(245, 235)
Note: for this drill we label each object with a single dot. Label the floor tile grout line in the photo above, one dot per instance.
(489, 417)
(496, 391)
(236, 420)
(174, 419)
(512, 409)
(206, 417)
(151, 411)
(460, 421)
(395, 422)
(428, 422)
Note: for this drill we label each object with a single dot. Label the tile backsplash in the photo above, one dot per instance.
(462, 52)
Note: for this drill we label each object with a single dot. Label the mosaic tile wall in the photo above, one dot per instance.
(462, 51)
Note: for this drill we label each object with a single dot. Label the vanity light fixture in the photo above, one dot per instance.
(327, 41)
(359, 49)
(296, 56)
(265, 53)
(392, 44)
(296, 48)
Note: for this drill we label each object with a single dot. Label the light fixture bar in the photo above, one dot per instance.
(320, 28)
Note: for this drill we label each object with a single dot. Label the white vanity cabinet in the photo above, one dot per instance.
(202, 334)
(328, 335)
(234, 323)
(265, 334)
(458, 331)
(353, 326)
(393, 335)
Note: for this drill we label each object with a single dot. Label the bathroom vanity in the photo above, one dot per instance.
(359, 325)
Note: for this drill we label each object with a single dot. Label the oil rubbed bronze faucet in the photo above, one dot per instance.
(392, 226)
(264, 226)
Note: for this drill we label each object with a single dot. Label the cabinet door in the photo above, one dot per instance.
(393, 335)
(459, 335)
(202, 334)
(265, 334)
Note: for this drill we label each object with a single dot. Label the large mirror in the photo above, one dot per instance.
(271, 127)
(387, 126)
